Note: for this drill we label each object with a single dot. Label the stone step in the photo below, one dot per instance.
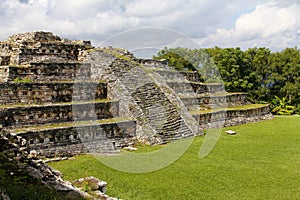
(26, 115)
(50, 92)
(232, 116)
(79, 137)
(160, 112)
(215, 100)
(190, 88)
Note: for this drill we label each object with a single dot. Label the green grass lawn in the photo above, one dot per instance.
(261, 162)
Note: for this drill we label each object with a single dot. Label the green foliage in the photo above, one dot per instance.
(86, 187)
(260, 162)
(184, 59)
(176, 58)
(24, 80)
(282, 107)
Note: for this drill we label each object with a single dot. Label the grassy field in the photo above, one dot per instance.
(261, 162)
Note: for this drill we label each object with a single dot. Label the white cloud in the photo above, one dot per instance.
(153, 8)
(212, 23)
(269, 25)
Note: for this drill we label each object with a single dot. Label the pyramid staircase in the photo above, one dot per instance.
(44, 98)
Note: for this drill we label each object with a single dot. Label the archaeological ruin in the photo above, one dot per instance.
(66, 97)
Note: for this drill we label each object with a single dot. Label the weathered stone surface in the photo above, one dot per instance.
(50, 92)
(43, 173)
(158, 117)
(25, 48)
(71, 140)
(92, 182)
(232, 117)
(210, 101)
(195, 87)
(171, 75)
(20, 116)
(46, 71)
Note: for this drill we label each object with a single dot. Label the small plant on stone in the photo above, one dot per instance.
(86, 187)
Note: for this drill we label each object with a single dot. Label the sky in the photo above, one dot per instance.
(273, 24)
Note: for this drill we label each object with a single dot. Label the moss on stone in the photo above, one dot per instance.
(244, 107)
(70, 124)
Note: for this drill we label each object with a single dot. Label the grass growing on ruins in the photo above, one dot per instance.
(244, 107)
(260, 162)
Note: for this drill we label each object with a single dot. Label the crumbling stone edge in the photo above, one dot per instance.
(14, 148)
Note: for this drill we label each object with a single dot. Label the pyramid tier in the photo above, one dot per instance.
(178, 75)
(99, 136)
(231, 116)
(50, 92)
(25, 48)
(46, 71)
(216, 100)
(189, 87)
(27, 115)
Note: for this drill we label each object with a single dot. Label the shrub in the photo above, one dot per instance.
(282, 107)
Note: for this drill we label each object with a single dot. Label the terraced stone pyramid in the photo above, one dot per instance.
(43, 99)
(66, 97)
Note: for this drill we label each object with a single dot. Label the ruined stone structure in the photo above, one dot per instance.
(67, 97)
(23, 165)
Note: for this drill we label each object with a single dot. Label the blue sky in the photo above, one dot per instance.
(270, 23)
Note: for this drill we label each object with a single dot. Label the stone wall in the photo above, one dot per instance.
(176, 75)
(204, 102)
(4, 73)
(163, 64)
(52, 92)
(4, 60)
(19, 163)
(66, 141)
(232, 117)
(57, 113)
(39, 47)
(45, 71)
(46, 52)
(195, 87)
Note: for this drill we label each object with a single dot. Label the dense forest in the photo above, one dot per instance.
(266, 76)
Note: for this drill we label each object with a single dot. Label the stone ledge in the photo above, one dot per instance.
(237, 108)
(217, 100)
(216, 118)
(25, 115)
(46, 71)
(188, 87)
(66, 139)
